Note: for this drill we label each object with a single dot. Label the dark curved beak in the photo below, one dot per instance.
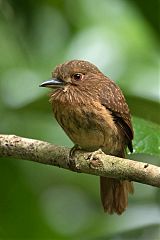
(52, 83)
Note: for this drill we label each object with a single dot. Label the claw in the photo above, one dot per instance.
(94, 160)
(71, 162)
(73, 149)
(93, 156)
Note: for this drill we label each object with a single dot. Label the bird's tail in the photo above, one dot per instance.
(114, 194)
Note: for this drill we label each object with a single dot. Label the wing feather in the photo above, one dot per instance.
(112, 98)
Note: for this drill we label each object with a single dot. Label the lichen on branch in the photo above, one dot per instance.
(100, 165)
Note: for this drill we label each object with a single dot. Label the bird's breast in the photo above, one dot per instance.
(86, 122)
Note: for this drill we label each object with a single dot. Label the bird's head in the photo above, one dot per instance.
(74, 72)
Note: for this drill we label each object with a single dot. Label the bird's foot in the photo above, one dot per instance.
(94, 160)
(71, 162)
(73, 150)
(94, 155)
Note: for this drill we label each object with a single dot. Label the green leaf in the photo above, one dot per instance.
(140, 107)
(147, 137)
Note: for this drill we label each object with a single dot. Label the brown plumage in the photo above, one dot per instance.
(94, 114)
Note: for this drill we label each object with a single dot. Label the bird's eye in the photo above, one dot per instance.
(78, 76)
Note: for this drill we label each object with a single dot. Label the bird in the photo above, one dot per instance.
(92, 110)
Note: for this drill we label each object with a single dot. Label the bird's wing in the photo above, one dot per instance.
(112, 98)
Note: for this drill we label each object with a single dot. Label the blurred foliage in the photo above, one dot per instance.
(147, 137)
(119, 36)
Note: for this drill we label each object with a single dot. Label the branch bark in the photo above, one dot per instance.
(100, 165)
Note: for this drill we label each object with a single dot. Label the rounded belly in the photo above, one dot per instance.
(89, 140)
(90, 131)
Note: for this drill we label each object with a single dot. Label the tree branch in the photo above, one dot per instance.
(101, 165)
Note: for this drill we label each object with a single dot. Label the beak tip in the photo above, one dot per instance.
(44, 84)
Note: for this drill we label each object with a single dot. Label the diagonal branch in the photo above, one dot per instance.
(101, 165)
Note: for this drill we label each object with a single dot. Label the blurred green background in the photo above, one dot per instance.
(122, 38)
